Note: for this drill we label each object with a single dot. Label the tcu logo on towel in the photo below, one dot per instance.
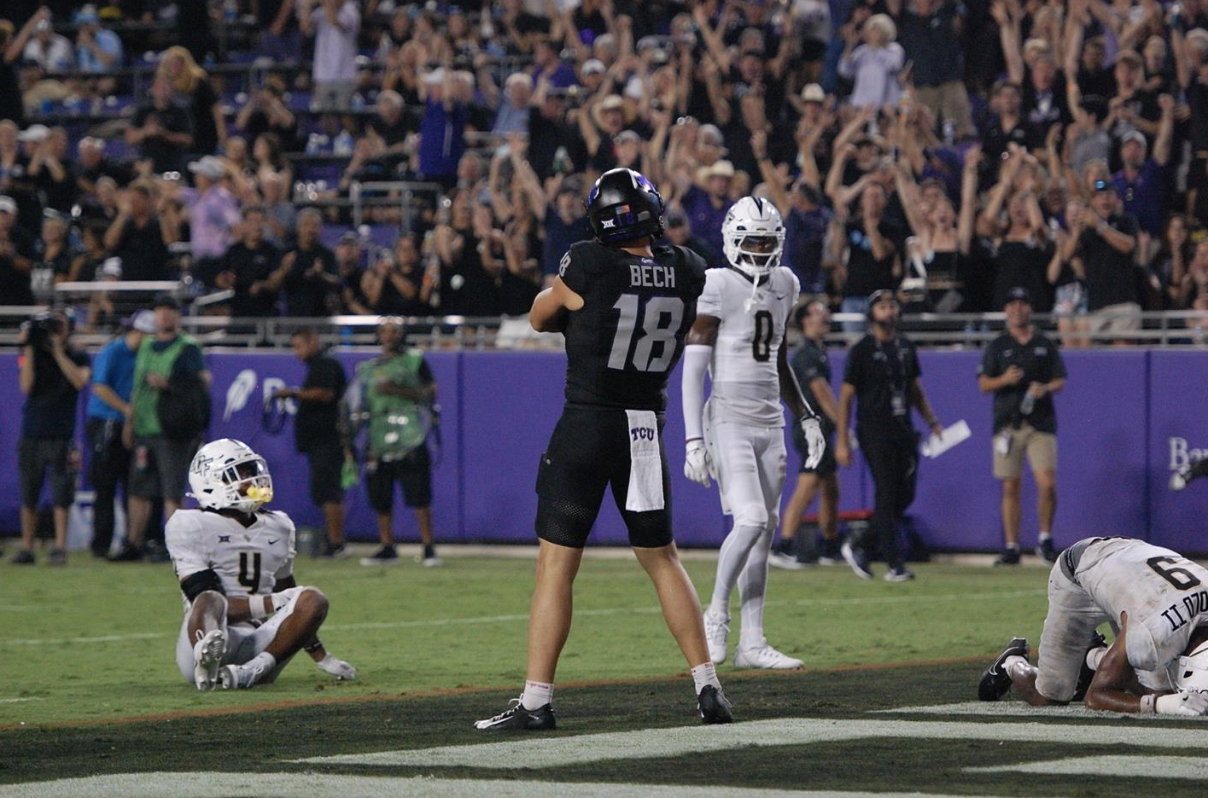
(642, 433)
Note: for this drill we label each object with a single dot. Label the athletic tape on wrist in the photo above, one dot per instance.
(255, 606)
(1149, 703)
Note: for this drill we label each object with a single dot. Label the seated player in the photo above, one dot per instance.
(738, 435)
(245, 616)
(1156, 600)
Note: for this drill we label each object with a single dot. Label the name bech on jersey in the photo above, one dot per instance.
(651, 275)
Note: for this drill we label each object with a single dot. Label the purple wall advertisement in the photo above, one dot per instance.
(1127, 419)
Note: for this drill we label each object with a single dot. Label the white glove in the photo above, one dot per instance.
(696, 463)
(1193, 704)
(815, 441)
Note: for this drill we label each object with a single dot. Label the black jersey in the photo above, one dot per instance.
(628, 336)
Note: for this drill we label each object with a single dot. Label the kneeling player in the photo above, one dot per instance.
(235, 563)
(1158, 603)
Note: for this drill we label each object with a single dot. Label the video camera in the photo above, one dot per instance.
(39, 329)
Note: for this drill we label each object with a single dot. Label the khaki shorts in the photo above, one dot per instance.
(1041, 448)
(1122, 318)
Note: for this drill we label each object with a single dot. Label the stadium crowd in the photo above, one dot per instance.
(950, 151)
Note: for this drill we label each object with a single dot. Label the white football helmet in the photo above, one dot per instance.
(227, 475)
(753, 236)
(1193, 670)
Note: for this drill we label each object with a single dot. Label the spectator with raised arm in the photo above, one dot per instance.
(334, 24)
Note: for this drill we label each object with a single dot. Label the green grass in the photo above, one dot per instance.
(409, 629)
(92, 645)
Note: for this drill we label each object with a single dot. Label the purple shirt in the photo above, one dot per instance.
(1143, 196)
(705, 221)
(212, 216)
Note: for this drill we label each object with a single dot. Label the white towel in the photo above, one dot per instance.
(645, 463)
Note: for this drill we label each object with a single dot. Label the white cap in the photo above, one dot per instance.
(144, 322)
(8, 205)
(34, 133)
(208, 166)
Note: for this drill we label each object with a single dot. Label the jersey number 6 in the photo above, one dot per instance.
(661, 317)
(1179, 577)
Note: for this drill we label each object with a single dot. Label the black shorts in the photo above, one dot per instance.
(588, 451)
(34, 457)
(159, 467)
(326, 465)
(413, 472)
(827, 466)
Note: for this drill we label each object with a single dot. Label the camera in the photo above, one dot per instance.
(40, 328)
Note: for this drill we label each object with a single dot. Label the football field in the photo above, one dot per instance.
(91, 702)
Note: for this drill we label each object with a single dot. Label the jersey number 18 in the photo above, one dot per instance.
(661, 317)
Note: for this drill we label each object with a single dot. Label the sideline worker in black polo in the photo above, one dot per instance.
(1023, 369)
(316, 431)
(882, 373)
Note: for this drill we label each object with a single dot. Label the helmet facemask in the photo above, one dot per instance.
(758, 255)
(1192, 676)
(247, 485)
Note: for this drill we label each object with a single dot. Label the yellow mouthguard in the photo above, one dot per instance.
(259, 494)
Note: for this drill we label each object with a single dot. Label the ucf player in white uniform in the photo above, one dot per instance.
(1155, 600)
(738, 338)
(245, 616)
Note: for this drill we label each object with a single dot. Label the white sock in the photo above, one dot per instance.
(1094, 657)
(730, 561)
(264, 661)
(752, 586)
(536, 695)
(1044, 536)
(1018, 668)
(705, 675)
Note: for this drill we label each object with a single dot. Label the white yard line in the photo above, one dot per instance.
(1011, 708)
(518, 617)
(658, 743)
(1150, 767)
(19, 700)
(314, 785)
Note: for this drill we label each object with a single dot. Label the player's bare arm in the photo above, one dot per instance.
(847, 396)
(704, 331)
(1115, 687)
(924, 407)
(551, 305)
(827, 402)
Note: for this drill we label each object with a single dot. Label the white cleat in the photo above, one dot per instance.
(786, 562)
(337, 668)
(241, 677)
(764, 656)
(207, 659)
(717, 635)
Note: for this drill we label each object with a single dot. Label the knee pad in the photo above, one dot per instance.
(751, 514)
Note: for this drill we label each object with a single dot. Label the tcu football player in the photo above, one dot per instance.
(245, 615)
(738, 337)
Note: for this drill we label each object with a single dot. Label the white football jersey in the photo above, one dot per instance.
(248, 560)
(1164, 594)
(746, 383)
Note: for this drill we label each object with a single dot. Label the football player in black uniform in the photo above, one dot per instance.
(625, 309)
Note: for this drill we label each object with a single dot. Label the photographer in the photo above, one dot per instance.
(51, 374)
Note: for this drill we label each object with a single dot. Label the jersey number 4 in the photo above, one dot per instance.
(249, 577)
(660, 321)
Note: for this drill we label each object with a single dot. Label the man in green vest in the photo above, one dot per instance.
(159, 465)
(396, 392)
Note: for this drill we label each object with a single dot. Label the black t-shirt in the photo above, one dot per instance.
(1023, 264)
(809, 363)
(865, 273)
(59, 194)
(1041, 362)
(251, 266)
(306, 295)
(201, 107)
(1109, 272)
(50, 408)
(317, 422)
(883, 374)
(628, 336)
(392, 133)
(1197, 99)
(143, 251)
(165, 156)
(10, 94)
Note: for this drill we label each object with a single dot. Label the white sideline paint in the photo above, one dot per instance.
(544, 752)
(18, 700)
(518, 617)
(313, 785)
(1018, 709)
(1150, 767)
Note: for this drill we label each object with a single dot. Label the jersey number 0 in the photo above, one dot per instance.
(660, 320)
